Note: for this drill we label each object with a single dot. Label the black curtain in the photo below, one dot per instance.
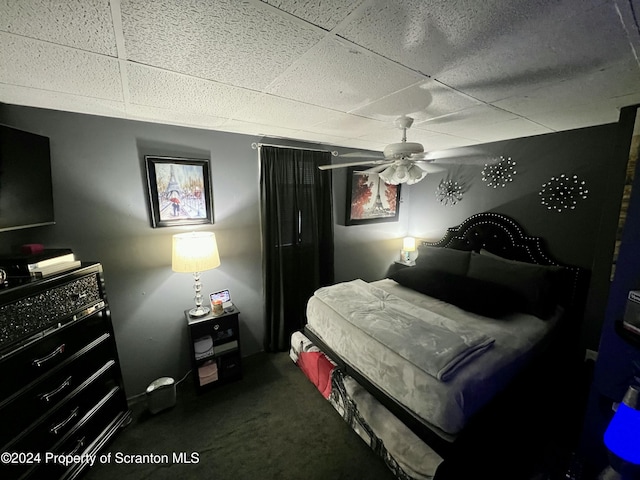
(297, 237)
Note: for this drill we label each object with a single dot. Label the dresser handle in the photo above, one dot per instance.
(56, 428)
(47, 396)
(80, 296)
(79, 445)
(39, 361)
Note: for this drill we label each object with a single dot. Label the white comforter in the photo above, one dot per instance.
(432, 342)
(445, 405)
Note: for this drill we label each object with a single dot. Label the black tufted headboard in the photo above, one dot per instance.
(501, 235)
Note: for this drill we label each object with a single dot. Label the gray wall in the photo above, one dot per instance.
(583, 237)
(102, 213)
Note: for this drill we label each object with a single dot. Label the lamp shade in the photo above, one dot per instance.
(194, 252)
(622, 436)
(409, 244)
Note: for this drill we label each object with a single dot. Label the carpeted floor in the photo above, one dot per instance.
(274, 424)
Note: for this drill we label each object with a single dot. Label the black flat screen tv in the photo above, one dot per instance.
(26, 191)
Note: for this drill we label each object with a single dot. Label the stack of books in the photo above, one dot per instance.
(42, 264)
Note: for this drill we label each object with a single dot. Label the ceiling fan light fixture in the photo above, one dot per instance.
(388, 175)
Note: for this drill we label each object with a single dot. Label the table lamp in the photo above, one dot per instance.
(408, 245)
(622, 439)
(195, 252)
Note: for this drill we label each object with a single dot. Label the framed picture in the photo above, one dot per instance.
(179, 191)
(370, 199)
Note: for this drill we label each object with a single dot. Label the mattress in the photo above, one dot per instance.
(445, 406)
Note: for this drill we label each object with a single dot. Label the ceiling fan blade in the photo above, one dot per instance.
(378, 168)
(429, 167)
(362, 155)
(351, 164)
(462, 159)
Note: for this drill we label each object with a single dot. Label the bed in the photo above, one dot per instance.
(414, 361)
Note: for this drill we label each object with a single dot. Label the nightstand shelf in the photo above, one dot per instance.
(215, 348)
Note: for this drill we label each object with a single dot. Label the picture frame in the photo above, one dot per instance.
(179, 191)
(370, 199)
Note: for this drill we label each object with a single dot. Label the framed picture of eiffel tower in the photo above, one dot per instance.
(179, 191)
(370, 199)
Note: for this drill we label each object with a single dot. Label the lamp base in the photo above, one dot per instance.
(199, 311)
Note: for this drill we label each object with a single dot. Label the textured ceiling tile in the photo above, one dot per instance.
(429, 36)
(344, 124)
(595, 113)
(270, 110)
(50, 67)
(575, 92)
(471, 118)
(503, 130)
(326, 14)
(227, 40)
(83, 24)
(422, 101)
(33, 97)
(248, 128)
(536, 54)
(335, 75)
(173, 117)
(159, 88)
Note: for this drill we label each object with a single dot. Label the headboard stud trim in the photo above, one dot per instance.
(503, 236)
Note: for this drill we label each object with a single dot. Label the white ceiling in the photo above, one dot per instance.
(331, 71)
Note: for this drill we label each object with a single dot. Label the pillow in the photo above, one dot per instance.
(535, 283)
(477, 296)
(443, 259)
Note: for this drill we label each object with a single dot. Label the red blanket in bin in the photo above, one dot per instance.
(317, 367)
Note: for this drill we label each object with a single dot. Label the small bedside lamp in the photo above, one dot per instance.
(194, 253)
(622, 439)
(408, 245)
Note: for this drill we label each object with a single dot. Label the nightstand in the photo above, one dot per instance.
(214, 342)
(398, 265)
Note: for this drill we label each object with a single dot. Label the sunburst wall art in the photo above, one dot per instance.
(449, 192)
(563, 193)
(500, 173)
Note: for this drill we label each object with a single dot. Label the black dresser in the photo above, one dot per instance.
(61, 392)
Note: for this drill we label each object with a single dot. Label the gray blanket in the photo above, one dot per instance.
(432, 342)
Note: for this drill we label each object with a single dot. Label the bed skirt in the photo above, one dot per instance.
(408, 457)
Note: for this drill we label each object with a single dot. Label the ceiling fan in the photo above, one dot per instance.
(403, 162)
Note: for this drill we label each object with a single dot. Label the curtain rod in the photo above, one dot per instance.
(255, 146)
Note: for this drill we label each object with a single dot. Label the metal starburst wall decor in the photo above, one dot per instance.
(449, 192)
(499, 174)
(563, 193)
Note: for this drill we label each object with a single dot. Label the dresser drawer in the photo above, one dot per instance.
(71, 416)
(88, 438)
(29, 363)
(35, 312)
(44, 395)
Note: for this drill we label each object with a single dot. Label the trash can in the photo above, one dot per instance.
(161, 394)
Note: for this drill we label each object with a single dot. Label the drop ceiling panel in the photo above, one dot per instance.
(173, 117)
(422, 101)
(229, 41)
(335, 72)
(47, 66)
(338, 76)
(271, 110)
(326, 14)
(574, 93)
(83, 24)
(541, 54)
(159, 88)
(260, 130)
(33, 97)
